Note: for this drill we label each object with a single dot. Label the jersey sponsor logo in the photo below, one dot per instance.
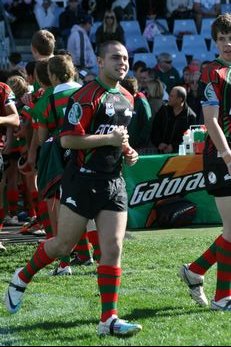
(128, 113)
(106, 129)
(75, 113)
(212, 177)
(110, 110)
(69, 200)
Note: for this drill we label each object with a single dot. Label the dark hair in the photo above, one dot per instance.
(139, 64)
(15, 57)
(131, 84)
(103, 47)
(222, 24)
(30, 68)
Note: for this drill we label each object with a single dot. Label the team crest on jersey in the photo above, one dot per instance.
(210, 92)
(110, 111)
(75, 114)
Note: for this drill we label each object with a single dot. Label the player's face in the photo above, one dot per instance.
(114, 66)
(224, 46)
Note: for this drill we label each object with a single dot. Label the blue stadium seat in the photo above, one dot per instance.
(136, 44)
(213, 48)
(179, 61)
(204, 56)
(225, 8)
(148, 58)
(131, 27)
(206, 27)
(165, 43)
(192, 43)
(184, 26)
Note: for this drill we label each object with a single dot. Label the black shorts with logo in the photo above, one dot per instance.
(88, 195)
(217, 178)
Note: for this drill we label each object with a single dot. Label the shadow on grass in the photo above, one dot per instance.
(164, 312)
(49, 325)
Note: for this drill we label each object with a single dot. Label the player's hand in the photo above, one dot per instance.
(119, 137)
(131, 156)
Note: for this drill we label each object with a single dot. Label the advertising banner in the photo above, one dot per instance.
(156, 177)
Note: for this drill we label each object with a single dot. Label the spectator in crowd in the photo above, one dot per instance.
(96, 8)
(79, 44)
(149, 9)
(205, 9)
(166, 72)
(155, 94)
(215, 92)
(139, 127)
(15, 59)
(171, 121)
(69, 17)
(21, 14)
(123, 9)
(178, 9)
(137, 69)
(46, 15)
(110, 29)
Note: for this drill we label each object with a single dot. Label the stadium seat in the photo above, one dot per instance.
(165, 43)
(148, 58)
(184, 27)
(204, 56)
(131, 27)
(136, 44)
(213, 48)
(179, 61)
(192, 43)
(206, 27)
(225, 8)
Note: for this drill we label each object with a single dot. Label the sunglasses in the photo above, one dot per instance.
(109, 17)
(167, 61)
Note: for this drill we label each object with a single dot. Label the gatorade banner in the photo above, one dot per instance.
(156, 177)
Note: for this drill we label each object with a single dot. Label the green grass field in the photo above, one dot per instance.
(59, 311)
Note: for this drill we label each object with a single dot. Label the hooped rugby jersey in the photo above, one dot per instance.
(97, 109)
(6, 97)
(215, 88)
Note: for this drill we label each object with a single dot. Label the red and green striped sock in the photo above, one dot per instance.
(12, 199)
(83, 248)
(223, 288)
(38, 261)
(109, 284)
(44, 219)
(94, 240)
(206, 260)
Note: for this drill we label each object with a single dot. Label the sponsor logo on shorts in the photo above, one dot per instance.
(69, 200)
(212, 177)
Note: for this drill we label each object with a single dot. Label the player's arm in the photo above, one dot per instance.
(116, 138)
(11, 118)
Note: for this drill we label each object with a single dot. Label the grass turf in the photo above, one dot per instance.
(59, 311)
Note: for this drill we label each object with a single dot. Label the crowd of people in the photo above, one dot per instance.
(100, 120)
